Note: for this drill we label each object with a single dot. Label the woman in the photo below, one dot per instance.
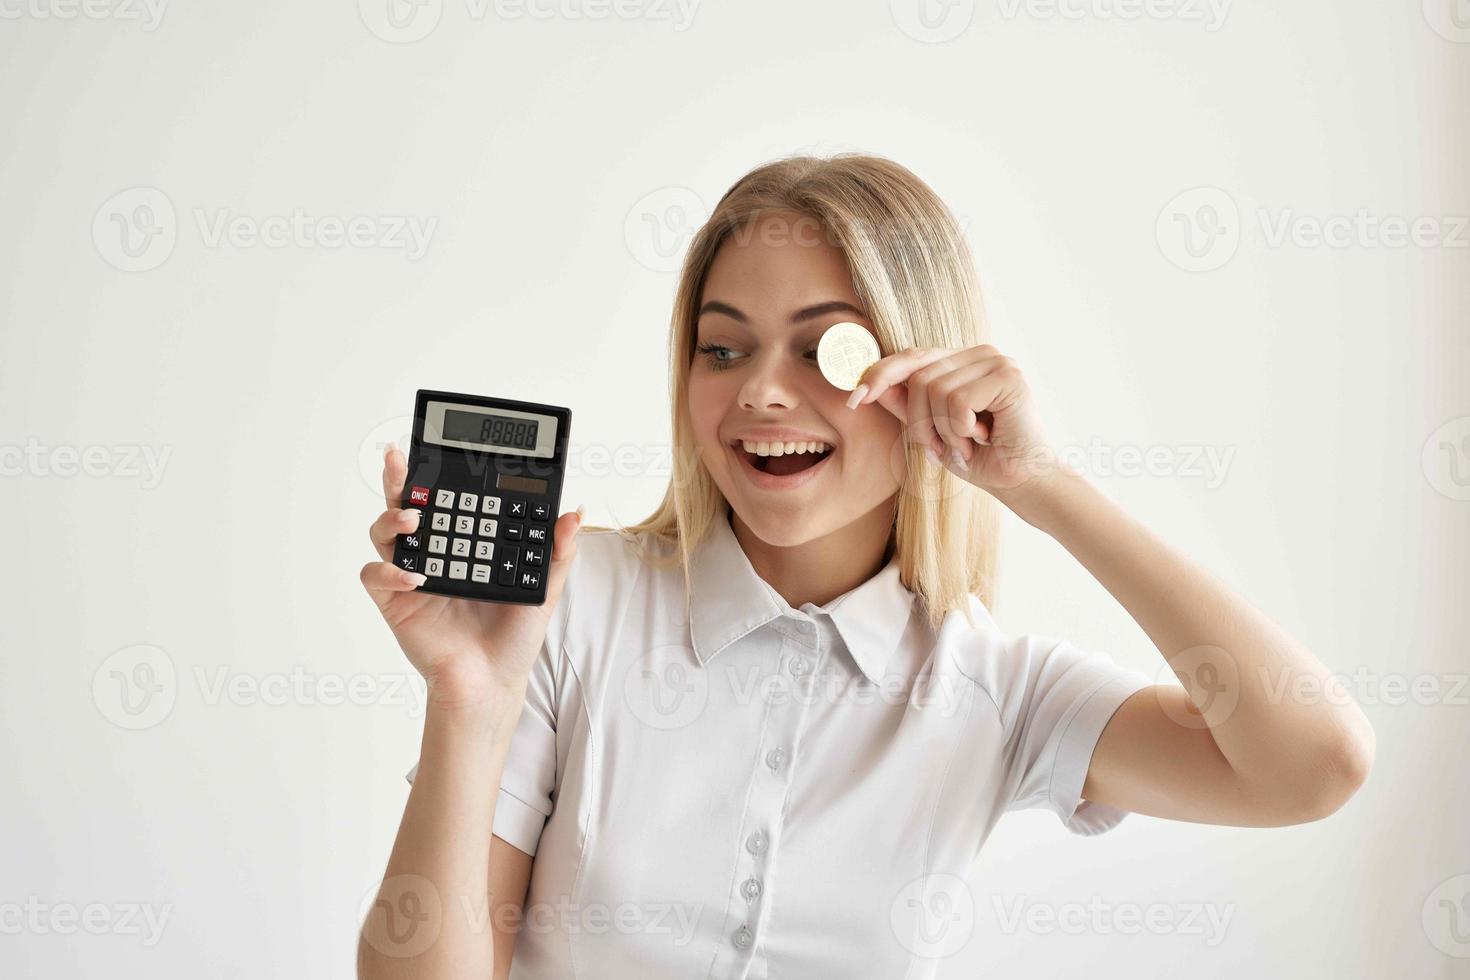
(768, 729)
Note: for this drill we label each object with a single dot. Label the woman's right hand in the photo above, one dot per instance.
(469, 652)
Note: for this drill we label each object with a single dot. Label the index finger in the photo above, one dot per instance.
(395, 472)
(888, 371)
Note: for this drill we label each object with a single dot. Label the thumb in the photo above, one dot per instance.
(563, 550)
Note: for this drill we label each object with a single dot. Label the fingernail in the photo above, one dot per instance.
(417, 516)
(414, 579)
(581, 513)
(959, 459)
(856, 396)
(933, 457)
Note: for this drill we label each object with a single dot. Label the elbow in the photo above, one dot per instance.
(1338, 772)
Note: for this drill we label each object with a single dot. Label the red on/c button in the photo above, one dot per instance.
(419, 495)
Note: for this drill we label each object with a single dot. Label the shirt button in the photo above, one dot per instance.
(751, 889)
(774, 758)
(799, 666)
(756, 842)
(743, 936)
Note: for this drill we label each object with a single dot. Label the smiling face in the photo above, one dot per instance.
(768, 296)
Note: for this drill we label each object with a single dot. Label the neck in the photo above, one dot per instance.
(820, 570)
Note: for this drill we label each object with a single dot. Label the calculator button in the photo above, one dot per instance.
(419, 496)
(438, 544)
(490, 505)
(536, 534)
(469, 501)
(487, 527)
(409, 563)
(533, 556)
(530, 579)
(517, 508)
(481, 574)
(460, 548)
(464, 525)
(505, 568)
(459, 569)
(444, 498)
(540, 512)
(439, 522)
(412, 542)
(434, 566)
(484, 550)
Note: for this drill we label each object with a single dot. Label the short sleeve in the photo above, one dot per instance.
(528, 784)
(1067, 696)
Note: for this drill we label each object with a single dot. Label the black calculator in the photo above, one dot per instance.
(487, 475)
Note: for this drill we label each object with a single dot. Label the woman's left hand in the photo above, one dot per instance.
(970, 405)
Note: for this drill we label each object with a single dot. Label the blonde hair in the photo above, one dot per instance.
(912, 270)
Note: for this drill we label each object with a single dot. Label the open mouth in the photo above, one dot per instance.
(783, 459)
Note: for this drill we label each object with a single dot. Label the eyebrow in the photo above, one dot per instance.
(807, 313)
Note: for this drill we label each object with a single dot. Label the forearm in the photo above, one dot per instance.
(439, 870)
(1239, 668)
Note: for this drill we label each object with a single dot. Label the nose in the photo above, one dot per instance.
(770, 383)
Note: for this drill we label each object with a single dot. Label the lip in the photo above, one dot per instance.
(772, 481)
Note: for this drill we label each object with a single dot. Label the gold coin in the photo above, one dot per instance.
(845, 351)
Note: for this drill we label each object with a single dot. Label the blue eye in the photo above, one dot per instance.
(710, 351)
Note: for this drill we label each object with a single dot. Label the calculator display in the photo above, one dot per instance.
(500, 430)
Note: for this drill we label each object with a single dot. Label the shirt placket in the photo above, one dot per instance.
(798, 661)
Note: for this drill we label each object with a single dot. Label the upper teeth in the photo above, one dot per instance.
(783, 448)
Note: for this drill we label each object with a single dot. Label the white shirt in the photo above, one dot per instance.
(774, 792)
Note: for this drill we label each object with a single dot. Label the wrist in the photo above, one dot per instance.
(1042, 501)
(455, 711)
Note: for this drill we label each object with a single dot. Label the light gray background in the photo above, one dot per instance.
(555, 164)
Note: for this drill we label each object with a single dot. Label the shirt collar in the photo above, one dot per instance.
(729, 601)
